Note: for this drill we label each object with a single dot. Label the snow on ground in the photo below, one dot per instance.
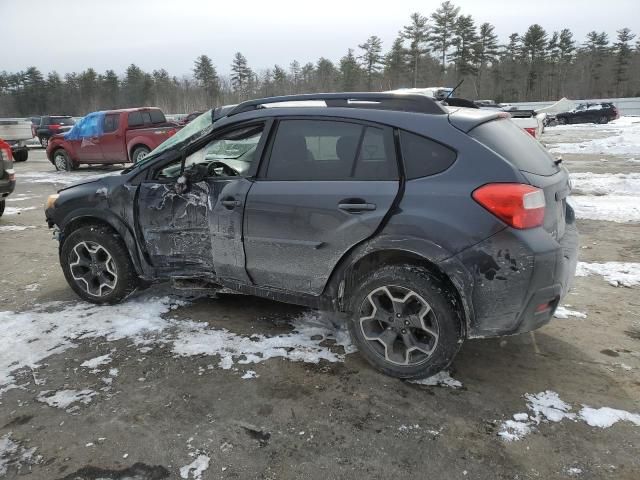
(624, 138)
(612, 197)
(442, 379)
(65, 398)
(97, 361)
(548, 407)
(564, 312)
(20, 198)
(33, 335)
(196, 468)
(626, 274)
(14, 228)
(12, 454)
(17, 210)
(64, 178)
(587, 183)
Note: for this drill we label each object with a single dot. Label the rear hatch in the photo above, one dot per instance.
(534, 162)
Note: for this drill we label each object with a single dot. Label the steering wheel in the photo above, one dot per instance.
(226, 169)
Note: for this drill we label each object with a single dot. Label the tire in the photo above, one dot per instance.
(21, 155)
(44, 141)
(2, 202)
(562, 121)
(61, 161)
(407, 320)
(139, 153)
(603, 120)
(97, 265)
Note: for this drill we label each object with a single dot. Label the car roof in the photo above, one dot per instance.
(129, 110)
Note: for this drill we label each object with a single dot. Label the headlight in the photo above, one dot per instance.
(51, 200)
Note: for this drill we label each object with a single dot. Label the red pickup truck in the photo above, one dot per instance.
(112, 136)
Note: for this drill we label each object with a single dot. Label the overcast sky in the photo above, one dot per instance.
(71, 35)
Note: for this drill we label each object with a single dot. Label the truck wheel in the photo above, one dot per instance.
(139, 153)
(20, 155)
(61, 161)
(97, 265)
(603, 119)
(404, 322)
(1, 207)
(44, 141)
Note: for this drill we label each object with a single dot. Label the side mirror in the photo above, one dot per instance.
(192, 174)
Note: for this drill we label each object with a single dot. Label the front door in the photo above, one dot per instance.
(327, 187)
(112, 142)
(191, 223)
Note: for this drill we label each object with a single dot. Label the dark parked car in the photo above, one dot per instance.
(7, 174)
(190, 118)
(53, 125)
(589, 113)
(418, 227)
(35, 123)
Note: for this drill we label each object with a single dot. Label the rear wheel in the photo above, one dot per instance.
(20, 155)
(97, 265)
(403, 322)
(603, 119)
(61, 161)
(139, 153)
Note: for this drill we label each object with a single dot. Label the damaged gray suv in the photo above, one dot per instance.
(422, 225)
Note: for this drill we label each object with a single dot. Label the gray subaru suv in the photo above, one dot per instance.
(420, 225)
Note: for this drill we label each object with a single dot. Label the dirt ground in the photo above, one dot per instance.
(325, 420)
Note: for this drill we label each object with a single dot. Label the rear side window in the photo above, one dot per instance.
(516, 146)
(157, 116)
(331, 150)
(423, 157)
(111, 123)
(146, 118)
(135, 119)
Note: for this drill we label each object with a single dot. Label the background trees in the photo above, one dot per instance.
(434, 49)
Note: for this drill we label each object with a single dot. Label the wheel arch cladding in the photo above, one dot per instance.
(448, 273)
(105, 219)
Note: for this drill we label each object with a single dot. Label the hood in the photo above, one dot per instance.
(91, 179)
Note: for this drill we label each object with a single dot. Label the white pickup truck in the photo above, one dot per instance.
(16, 133)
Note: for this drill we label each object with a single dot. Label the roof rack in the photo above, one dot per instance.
(376, 101)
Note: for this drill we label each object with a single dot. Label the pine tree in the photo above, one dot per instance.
(486, 51)
(395, 63)
(241, 76)
(326, 75)
(534, 45)
(371, 58)
(207, 78)
(279, 80)
(109, 90)
(622, 50)
(294, 73)
(442, 33)
(417, 33)
(464, 41)
(596, 48)
(350, 72)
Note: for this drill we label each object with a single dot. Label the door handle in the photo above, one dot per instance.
(356, 207)
(231, 203)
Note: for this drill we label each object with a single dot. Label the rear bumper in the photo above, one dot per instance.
(6, 187)
(519, 278)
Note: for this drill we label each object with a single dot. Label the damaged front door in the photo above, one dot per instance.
(191, 219)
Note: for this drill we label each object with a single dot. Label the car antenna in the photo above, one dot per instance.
(453, 90)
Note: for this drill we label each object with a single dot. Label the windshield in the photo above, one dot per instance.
(192, 131)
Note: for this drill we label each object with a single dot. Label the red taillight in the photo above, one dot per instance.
(171, 132)
(54, 127)
(531, 131)
(518, 205)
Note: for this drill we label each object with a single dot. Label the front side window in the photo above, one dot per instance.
(111, 123)
(330, 150)
(230, 154)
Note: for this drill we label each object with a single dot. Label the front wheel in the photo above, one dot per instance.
(562, 121)
(61, 161)
(603, 119)
(139, 153)
(44, 141)
(404, 322)
(97, 265)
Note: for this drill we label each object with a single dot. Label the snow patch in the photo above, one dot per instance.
(605, 417)
(626, 274)
(196, 468)
(97, 361)
(624, 139)
(612, 208)
(12, 454)
(563, 312)
(65, 398)
(442, 379)
(605, 183)
(14, 228)
(16, 210)
(249, 374)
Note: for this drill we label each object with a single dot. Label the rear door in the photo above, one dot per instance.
(326, 186)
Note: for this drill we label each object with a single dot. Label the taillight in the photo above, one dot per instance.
(531, 131)
(54, 127)
(171, 132)
(6, 157)
(518, 205)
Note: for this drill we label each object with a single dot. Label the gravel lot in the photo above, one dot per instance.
(165, 404)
